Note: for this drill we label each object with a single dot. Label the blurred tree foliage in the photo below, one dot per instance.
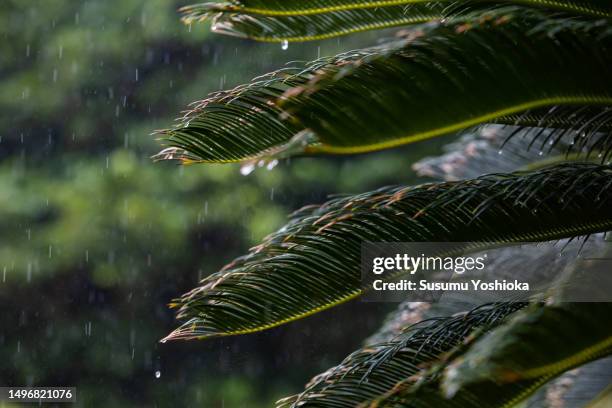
(95, 239)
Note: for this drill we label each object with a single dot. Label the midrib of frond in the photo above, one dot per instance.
(488, 117)
(559, 5)
(545, 373)
(332, 34)
(597, 350)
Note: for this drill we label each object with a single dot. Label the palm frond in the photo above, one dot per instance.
(393, 98)
(559, 337)
(376, 369)
(316, 20)
(324, 108)
(314, 262)
(506, 148)
(406, 370)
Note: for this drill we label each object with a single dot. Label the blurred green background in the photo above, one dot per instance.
(96, 239)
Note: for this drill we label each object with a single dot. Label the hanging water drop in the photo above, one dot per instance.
(272, 164)
(285, 45)
(247, 169)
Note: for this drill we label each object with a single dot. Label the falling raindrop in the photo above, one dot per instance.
(285, 45)
(500, 152)
(158, 374)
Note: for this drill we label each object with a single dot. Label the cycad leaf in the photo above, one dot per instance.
(313, 263)
(534, 345)
(404, 371)
(456, 76)
(432, 81)
(376, 369)
(490, 391)
(315, 20)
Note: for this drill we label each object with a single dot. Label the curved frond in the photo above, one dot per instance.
(376, 369)
(313, 263)
(558, 337)
(406, 371)
(457, 76)
(316, 20)
(437, 79)
(505, 148)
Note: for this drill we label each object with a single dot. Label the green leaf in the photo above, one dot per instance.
(534, 345)
(376, 369)
(316, 20)
(406, 371)
(313, 263)
(430, 82)
(456, 76)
